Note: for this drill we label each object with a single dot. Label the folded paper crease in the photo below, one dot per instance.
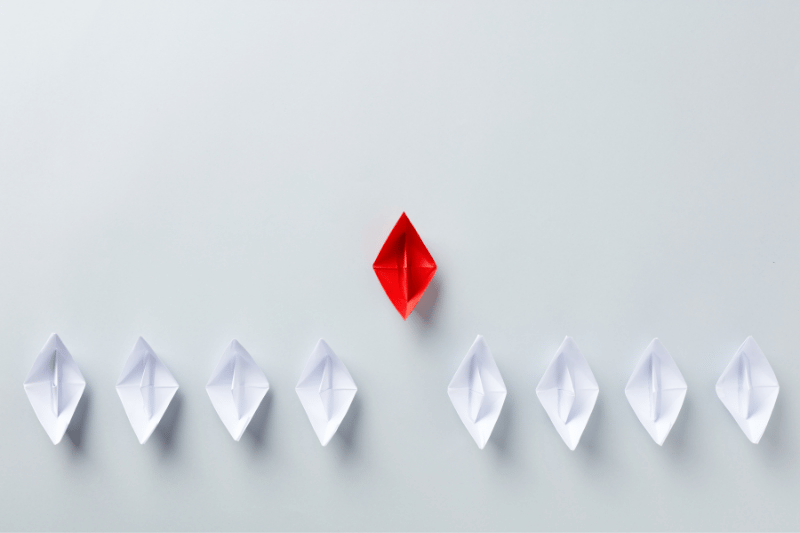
(568, 392)
(749, 389)
(404, 267)
(477, 391)
(145, 388)
(54, 387)
(656, 391)
(326, 389)
(236, 388)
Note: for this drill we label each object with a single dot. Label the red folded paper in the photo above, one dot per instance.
(404, 267)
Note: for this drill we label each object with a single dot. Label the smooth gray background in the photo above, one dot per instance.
(198, 172)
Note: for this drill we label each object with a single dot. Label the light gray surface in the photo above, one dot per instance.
(196, 172)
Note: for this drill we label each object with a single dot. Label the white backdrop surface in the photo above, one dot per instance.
(197, 172)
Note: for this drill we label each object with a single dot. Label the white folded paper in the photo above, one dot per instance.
(326, 391)
(656, 391)
(478, 392)
(236, 388)
(146, 387)
(748, 388)
(568, 392)
(54, 387)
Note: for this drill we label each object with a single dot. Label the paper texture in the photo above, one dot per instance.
(146, 387)
(656, 391)
(54, 387)
(478, 392)
(568, 392)
(326, 391)
(404, 267)
(236, 388)
(748, 388)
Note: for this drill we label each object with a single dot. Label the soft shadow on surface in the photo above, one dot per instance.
(256, 435)
(501, 440)
(345, 441)
(591, 443)
(772, 446)
(425, 313)
(595, 451)
(76, 431)
(167, 430)
(678, 442)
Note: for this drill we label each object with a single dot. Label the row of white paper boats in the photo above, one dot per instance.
(568, 390)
